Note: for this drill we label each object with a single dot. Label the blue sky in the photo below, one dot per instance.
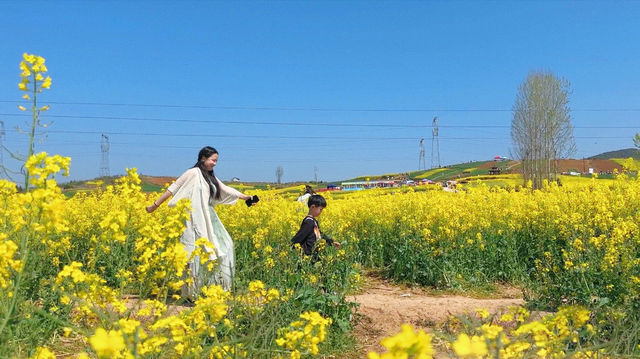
(337, 88)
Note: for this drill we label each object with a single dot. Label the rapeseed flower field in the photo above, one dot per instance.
(95, 276)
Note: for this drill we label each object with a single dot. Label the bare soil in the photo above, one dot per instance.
(157, 180)
(384, 307)
(489, 164)
(598, 165)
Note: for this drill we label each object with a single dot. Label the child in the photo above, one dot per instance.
(309, 231)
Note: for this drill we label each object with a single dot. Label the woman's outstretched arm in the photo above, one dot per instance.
(152, 207)
(173, 188)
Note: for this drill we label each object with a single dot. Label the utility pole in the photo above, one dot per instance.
(315, 173)
(421, 163)
(104, 146)
(435, 144)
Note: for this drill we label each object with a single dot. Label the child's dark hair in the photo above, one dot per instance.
(316, 200)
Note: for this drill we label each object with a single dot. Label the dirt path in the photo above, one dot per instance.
(384, 307)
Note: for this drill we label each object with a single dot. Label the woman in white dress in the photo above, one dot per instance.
(308, 192)
(200, 185)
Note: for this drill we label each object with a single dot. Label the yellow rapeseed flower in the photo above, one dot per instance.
(474, 347)
(46, 84)
(107, 344)
(482, 313)
(406, 344)
(43, 353)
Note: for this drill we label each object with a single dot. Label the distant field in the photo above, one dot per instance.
(506, 180)
(460, 170)
(430, 173)
(473, 172)
(625, 162)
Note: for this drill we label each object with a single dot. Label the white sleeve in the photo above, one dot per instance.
(228, 195)
(184, 178)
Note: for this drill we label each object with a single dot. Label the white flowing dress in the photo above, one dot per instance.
(204, 222)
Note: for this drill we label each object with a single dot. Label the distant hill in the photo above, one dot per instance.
(475, 168)
(626, 153)
(601, 163)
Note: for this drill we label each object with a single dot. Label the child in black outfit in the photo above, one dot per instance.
(309, 232)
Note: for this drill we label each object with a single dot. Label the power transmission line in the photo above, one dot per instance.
(230, 136)
(153, 119)
(320, 109)
(218, 121)
(298, 137)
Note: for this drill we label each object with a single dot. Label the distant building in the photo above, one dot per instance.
(358, 185)
(235, 179)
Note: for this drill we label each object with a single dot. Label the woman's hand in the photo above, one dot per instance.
(151, 207)
(251, 200)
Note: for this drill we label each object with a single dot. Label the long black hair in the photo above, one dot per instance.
(205, 153)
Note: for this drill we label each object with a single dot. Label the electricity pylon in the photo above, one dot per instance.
(435, 144)
(104, 166)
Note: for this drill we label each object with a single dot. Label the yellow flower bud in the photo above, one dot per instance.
(29, 58)
(46, 83)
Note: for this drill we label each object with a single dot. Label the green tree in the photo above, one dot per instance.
(541, 128)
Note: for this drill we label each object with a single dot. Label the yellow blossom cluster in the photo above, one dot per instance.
(88, 291)
(41, 166)
(43, 353)
(111, 223)
(560, 335)
(176, 335)
(258, 296)
(406, 344)
(109, 344)
(470, 347)
(31, 222)
(8, 264)
(303, 336)
(32, 69)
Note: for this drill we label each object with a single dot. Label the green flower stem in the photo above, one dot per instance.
(34, 111)
(16, 287)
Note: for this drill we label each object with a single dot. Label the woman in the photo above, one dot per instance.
(204, 190)
(308, 192)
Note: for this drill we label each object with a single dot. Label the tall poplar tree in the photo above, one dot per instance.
(541, 129)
